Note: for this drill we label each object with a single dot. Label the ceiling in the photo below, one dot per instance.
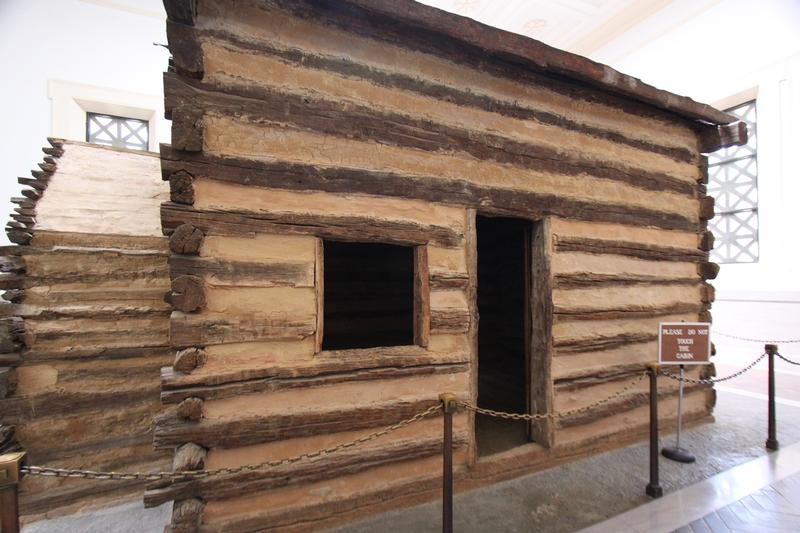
(579, 26)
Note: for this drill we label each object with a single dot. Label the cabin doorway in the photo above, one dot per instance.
(504, 307)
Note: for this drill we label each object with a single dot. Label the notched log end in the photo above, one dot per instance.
(706, 208)
(187, 128)
(190, 409)
(706, 241)
(188, 293)
(189, 456)
(186, 240)
(181, 187)
(187, 515)
(716, 138)
(181, 11)
(708, 270)
(189, 359)
(187, 54)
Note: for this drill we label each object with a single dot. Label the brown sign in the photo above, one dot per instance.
(684, 343)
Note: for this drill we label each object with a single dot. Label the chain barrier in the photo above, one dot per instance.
(711, 381)
(542, 416)
(765, 341)
(186, 475)
(788, 360)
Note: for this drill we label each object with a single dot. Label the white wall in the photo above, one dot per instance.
(728, 47)
(103, 46)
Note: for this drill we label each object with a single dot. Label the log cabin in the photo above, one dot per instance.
(372, 202)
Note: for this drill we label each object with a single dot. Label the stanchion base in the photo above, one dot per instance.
(654, 491)
(678, 454)
(772, 444)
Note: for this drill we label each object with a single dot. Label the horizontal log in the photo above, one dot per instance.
(12, 334)
(205, 329)
(12, 281)
(259, 104)
(19, 409)
(628, 249)
(76, 353)
(171, 431)
(448, 280)
(330, 466)
(306, 378)
(243, 273)
(450, 320)
(295, 176)
(431, 88)
(353, 228)
(580, 280)
(10, 359)
(570, 346)
(632, 311)
(626, 402)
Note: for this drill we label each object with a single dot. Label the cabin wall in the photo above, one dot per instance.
(86, 328)
(292, 124)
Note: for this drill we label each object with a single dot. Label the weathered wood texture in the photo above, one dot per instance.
(87, 333)
(396, 123)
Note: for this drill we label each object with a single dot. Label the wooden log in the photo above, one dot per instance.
(422, 297)
(393, 79)
(181, 187)
(539, 315)
(361, 122)
(352, 228)
(8, 382)
(449, 320)
(188, 293)
(186, 239)
(171, 431)
(13, 295)
(8, 441)
(187, 128)
(19, 237)
(707, 241)
(580, 280)
(570, 346)
(707, 270)
(189, 359)
(20, 409)
(12, 264)
(716, 138)
(627, 248)
(449, 280)
(632, 311)
(319, 292)
(10, 359)
(231, 386)
(190, 409)
(187, 55)
(296, 176)
(243, 273)
(708, 293)
(181, 11)
(344, 463)
(706, 208)
(189, 456)
(187, 516)
(207, 329)
(12, 281)
(12, 332)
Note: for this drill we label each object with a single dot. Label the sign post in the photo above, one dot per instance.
(683, 343)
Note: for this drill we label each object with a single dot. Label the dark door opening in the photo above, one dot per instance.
(504, 259)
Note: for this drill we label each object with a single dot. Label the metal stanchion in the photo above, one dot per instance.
(9, 493)
(448, 400)
(772, 440)
(676, 453)
(653, 489)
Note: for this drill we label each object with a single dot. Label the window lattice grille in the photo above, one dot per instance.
(120, 132)
(733, 182)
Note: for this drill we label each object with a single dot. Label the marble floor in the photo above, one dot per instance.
(760, 495)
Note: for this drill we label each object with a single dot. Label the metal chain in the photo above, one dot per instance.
(542, 416)
(767, 341)
(184, 475)
(788, 360)
(710, 381)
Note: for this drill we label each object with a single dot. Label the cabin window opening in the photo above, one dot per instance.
(368, 295)
(733, 182)
(119, 132)
(504, 272)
